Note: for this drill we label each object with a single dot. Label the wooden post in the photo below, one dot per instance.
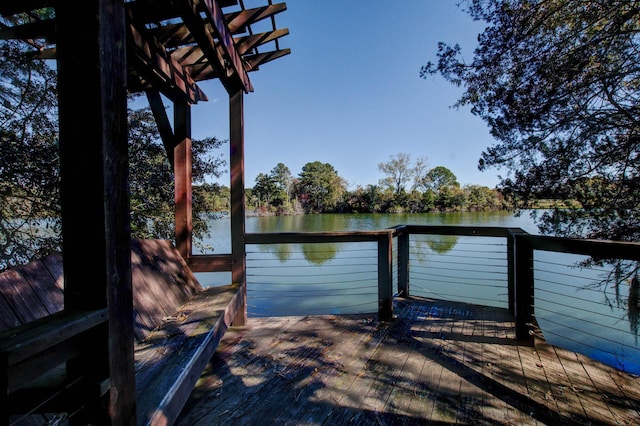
(524, 290)
(403, 262)
(511, 273)
(183, 174)
(385, 277)
(236, 160)
(94, 199)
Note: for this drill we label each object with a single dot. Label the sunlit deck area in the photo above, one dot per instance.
(435, 363)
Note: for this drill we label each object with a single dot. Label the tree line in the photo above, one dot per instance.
(407, 187)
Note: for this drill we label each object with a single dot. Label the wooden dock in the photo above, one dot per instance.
(436, 363)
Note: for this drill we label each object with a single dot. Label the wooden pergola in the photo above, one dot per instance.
(164, 48)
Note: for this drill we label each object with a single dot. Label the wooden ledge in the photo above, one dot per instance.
(171, 359)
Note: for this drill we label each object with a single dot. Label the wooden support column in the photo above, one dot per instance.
(94, 199)
(236, 160)
(182, 170)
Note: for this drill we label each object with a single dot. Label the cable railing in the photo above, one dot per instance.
(312, 278)
(542, 281)
(463, 269)
(320, 273)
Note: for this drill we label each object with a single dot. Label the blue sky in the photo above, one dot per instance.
(350, 95)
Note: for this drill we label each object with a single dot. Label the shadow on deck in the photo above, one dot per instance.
(435, 363)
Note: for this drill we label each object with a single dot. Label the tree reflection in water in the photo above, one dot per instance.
(319, 253)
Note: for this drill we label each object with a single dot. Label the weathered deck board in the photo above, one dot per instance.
(437, 363)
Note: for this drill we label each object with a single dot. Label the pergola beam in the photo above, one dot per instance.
(191, 57)
(246, 43)
(239, 20)
(205, 41)
(254, 61)
(236, 68)
(162, 120)
(154, 63)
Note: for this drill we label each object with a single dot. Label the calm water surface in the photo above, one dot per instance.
(575, 308)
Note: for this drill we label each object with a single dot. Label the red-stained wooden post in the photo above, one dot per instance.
(182, 168)
(236, 160)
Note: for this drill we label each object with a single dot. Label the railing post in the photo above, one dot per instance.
(403, 262)
(385, 278)
(511, 273)
(524, 290)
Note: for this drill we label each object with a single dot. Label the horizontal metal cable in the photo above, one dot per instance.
(572, 297)
(306, 275)
(311, 310)
(572, 307)
(583, 320)
(286, 295)
(468, 243)
(257, 259)
(252, 288)
(280, 266)
(591, 268)
(565, 337)
(423, 274)
(463, 283)
(560, 284)
(413, 248)
(316, 284)
(302, 251)
(448, 296)
(582, 277)
(464, 264)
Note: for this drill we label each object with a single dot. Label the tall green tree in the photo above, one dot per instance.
(558, 83)
(439, 178)
(320, 186)
(264, 189)
(284, 182)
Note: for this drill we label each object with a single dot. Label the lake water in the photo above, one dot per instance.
(575, 308)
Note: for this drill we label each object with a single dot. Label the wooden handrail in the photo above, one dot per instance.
(35, 348)
(470, 231)
(314, 237)
(602, 249)
(26, 340)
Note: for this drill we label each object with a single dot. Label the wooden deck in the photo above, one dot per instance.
(437, 363)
